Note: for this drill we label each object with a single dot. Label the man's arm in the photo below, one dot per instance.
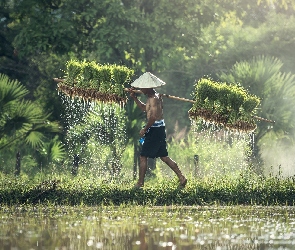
(140, 104)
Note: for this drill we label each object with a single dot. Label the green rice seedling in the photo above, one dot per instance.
(73, 71)
(106, 78)
(96, 82)
(236, 97)
(202, 91)
(222, 104)
(224, 92)
(121, 74)
(97, 76)
(250, 104)
(213, 92)
(106, 73)
(87, 74)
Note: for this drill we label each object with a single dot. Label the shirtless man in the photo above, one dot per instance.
(155, 135)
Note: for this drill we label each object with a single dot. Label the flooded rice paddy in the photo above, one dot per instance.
(138, 227)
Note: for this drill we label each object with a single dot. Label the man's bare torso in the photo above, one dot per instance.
(154, 107)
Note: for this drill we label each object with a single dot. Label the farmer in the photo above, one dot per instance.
(154, 131)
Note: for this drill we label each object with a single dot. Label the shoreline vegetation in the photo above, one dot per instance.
(245, 189)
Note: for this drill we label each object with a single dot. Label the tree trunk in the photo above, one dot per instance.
(75, 164)
(17, 164)
(196, 163)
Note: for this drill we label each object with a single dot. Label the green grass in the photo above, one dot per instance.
(247, 189)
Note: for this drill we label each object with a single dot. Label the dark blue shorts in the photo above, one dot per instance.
(155, 143)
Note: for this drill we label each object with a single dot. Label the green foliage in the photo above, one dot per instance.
(28, 122)
(53, 151)
(22, 122)
(11, 91)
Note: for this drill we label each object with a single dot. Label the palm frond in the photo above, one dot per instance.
(27, 123)
(21, 118)
(57, 151)
(48, 127)
(31, 112)
(34, 139)
(11, 90)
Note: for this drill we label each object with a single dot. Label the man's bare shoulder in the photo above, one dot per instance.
(153, 100)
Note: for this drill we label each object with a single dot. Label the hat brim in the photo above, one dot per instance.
(147, 80)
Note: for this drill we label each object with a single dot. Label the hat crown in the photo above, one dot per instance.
(147, 80)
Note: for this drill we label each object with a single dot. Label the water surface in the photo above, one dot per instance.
(138, 227)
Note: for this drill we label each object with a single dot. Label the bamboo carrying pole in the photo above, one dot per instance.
(165, 95)
(192, 101)
(175, 98)
(58, 80)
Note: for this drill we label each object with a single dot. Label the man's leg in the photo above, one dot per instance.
(142, 170)
(173, 165)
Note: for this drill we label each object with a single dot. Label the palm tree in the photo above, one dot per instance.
(22, 122)
(263, 77)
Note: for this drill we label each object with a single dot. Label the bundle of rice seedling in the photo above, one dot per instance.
(95, 82)
(226, 105)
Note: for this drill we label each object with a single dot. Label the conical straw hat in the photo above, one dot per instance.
(147, 80)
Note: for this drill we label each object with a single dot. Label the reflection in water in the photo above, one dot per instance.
(142, 228)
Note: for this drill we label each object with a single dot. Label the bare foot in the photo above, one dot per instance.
(182, 182)
(138, 186)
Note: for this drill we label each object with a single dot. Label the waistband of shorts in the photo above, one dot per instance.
(160, 123)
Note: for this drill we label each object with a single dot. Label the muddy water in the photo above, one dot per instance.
(137, 227)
